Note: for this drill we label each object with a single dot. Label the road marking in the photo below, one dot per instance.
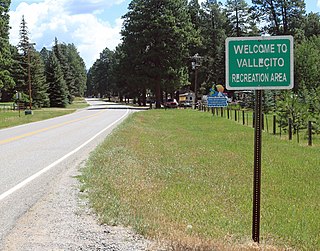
(38, 174)
(45, 129)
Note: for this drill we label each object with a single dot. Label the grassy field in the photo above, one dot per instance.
(185, 177)
(10, 118)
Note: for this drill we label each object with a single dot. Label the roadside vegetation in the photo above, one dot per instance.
(185, 177)
(9, 118)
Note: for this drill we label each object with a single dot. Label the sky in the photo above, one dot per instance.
(92, 25)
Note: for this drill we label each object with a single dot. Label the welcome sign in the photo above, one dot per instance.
(258, 63)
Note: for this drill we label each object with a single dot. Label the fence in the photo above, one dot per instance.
(268, 120)
(7, 107)
(12, 107)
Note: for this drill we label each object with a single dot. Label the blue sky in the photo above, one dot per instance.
(91, 25)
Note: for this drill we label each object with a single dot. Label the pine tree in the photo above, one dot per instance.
(24, 43)
(61, 54)
(24, 48)
(40, 97)
(78, 71)
(45, 54)
(58, 91)
(238, 13)
(101, 74)
(194, 12)
(6, 80)
(18, 74)
(283, 17)
(156, 36)
(32, 64)
(214, 30)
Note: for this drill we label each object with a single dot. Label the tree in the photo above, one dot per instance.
(45, 54)
(18, 73)
(73, 68)
(194, 12)
(58, 91)
(60, 52)
(40, 97)
(156, 35)
(78, 71)
(307, 63)
(100, 74)
(120, 82)
(283, 17)
(312, 25)
(6, 80)
(238, 13)
(24, 48)
(214, 30)
(24, 43)
(292, 105)
(31, 70)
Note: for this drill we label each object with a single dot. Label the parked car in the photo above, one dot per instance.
(171, 103)
(185, 104)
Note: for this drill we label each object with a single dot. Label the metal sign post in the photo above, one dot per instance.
(257, 167)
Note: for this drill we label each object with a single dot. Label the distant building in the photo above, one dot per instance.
(187, 98)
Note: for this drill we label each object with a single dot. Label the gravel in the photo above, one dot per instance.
(62, 220)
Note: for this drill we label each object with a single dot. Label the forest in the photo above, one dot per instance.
(161, 40)
(49, 78)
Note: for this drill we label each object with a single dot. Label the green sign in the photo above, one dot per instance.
(258, 63)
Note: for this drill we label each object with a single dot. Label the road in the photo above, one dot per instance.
(33, 156)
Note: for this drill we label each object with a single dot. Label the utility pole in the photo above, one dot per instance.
(196, 63)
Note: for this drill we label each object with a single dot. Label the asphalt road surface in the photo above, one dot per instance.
(35, 155)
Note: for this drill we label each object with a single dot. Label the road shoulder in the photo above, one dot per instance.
(62, 220)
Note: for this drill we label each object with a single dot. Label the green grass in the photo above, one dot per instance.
(9, 118)
(186, 177)
(78, 103)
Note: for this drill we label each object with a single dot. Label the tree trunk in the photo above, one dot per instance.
(144, 94)
(158, 93)
(275, 17)
(237, 20)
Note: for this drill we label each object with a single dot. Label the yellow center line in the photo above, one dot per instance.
(45, 129)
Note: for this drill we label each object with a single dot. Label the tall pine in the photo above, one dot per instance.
(6, 80)
(58, 91)
(215, 32)
(61, 54)
(156, 36)
(282, 17)
(40, 97)
(238, 12)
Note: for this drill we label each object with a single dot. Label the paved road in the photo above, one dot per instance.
(33, 156)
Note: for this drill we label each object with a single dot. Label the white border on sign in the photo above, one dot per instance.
(260, 87)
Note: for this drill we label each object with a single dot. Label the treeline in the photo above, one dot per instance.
(49, 78)
(160, 39)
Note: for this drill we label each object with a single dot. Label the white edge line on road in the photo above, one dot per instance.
(38, 174)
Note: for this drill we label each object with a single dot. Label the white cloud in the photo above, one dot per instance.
(70, 23)
(318, 4)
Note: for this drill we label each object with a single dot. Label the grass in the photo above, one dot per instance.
(185, 177)
(11, 118)
(78, 103)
